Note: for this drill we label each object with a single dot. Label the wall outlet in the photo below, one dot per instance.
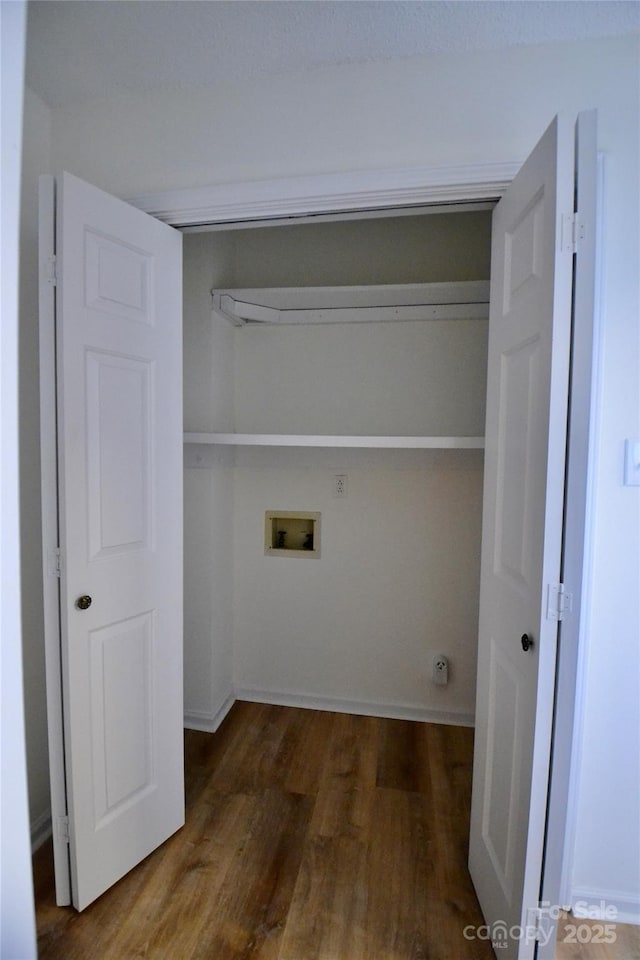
(440, 670)
(340, 485)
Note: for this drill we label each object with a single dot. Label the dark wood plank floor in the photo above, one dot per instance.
(309, 836)
(580, 939)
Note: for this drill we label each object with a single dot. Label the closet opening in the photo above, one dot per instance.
(392, 402)
(374, 424)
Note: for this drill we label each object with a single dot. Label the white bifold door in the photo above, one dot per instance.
(530, 333)
(118, 357)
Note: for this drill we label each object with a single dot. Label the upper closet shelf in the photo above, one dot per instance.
(319, 440)
(371, 304)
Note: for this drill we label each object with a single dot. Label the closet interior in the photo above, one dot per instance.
(334, 385)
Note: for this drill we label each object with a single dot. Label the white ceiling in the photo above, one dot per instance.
(79, 50)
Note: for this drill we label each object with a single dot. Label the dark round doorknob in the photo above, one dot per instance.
(526, 642)
(83, 603)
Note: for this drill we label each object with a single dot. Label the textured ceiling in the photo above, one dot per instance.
(86, 49)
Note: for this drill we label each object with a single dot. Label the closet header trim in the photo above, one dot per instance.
(360, 190)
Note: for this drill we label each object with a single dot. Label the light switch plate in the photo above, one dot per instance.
(632, 463)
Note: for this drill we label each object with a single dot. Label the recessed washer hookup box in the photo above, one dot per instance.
(292, 533)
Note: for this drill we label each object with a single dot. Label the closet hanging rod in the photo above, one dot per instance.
(370, 304)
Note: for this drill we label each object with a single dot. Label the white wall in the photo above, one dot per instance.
(208, 493)
(369, 379)
(17, 922)
(458, 109)
(35, 161)
(442, 109)
(396, 582)
(405, 249)
(411, 379)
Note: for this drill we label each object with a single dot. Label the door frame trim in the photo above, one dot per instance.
(50, 533)
(326, 194)
(577, 559)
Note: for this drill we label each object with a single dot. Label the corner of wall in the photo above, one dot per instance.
(36, 160)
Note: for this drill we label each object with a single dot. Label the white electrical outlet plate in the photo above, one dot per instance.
(440, 670)
(340, 485)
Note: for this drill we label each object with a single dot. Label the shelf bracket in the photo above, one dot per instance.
(240, 312)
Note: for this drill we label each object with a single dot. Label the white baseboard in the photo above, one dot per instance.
(391, 711)
(612, 906)
(209, 722)
(40, 830)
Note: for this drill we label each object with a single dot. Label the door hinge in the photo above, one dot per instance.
(55, 562)
(62, 832)
(559, 602)
(573, 232)
(51, 274)
(534, 919)
(540, 925)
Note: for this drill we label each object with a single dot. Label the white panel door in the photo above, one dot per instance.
(529, 349)
(119, 379)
